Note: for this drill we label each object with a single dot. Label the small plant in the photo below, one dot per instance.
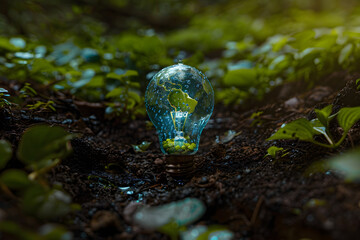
(141, 147)
(3, 94)
(27, 91)
(256, 117)
(305, 130)
(358, 84)
(45, 232)
(276, 152)
(126, 100)
(42, 106)
(41, 148)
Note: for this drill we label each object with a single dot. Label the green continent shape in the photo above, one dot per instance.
(181, 101)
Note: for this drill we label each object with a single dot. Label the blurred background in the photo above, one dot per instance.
(106, 51)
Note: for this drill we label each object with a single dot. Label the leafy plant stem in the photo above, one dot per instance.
(8, 192)
(34, 175)
(323, 144)
(341, 139)
(329, 138)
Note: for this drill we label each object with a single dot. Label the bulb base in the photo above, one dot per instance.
(181, 166)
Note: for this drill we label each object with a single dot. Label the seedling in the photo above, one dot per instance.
(276, 152)
(256, 117)
(42, 106)
(27, 91)
(3, 94)
(41, 148)
(358, 84)
(305, 130)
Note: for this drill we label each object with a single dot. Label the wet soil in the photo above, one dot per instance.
(254, 196)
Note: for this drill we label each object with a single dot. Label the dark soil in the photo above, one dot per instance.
(254, 196)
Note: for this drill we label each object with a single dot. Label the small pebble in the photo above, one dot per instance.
(203, 180)
(158, 161)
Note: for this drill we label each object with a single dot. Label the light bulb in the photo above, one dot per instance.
(179, 101)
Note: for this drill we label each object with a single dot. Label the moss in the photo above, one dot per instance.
(170, 148)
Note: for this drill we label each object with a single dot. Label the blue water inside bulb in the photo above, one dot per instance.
(179, 101)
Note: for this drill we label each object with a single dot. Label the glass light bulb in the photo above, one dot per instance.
(179, 101)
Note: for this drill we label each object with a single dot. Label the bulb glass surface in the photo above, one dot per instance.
(179, 101)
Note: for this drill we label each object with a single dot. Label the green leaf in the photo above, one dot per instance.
(97, 81)
(42, 65)
(358, 84)
(345, 53)
(15, 179)
(348, 164)
(300, 129)
(141, 147)
(307, 56)
(134, 95)
(3, 90)
(17, 231)
(273, 151)
(46, 204)
(42, 143)
(347, 117)
(120, 77)
(181, 101)
(5, 153)
(242, 78)
(323, 115)
(280, 63)
(115, 93)
(6, 45)
(280, 42)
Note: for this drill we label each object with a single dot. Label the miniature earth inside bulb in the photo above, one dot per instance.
(179, 101)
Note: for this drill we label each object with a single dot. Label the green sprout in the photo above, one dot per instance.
(3, 101)
(305, 130)
(42, 106)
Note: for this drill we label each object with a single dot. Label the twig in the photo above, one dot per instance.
(256, 210)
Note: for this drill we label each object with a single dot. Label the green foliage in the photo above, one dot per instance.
(347, 117)
(41, 148)
(27, 91)
(299, 129)
(141, 147)
(15, 179)
(41, 144)
(3, 94)
(276, 152)
(305, 130)
(256, 117)
(42, 106)
(46, 203)
(5, 153)
(256, 52)
(241, 78)
(358, 84)
(46, 232)
(347, 164)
